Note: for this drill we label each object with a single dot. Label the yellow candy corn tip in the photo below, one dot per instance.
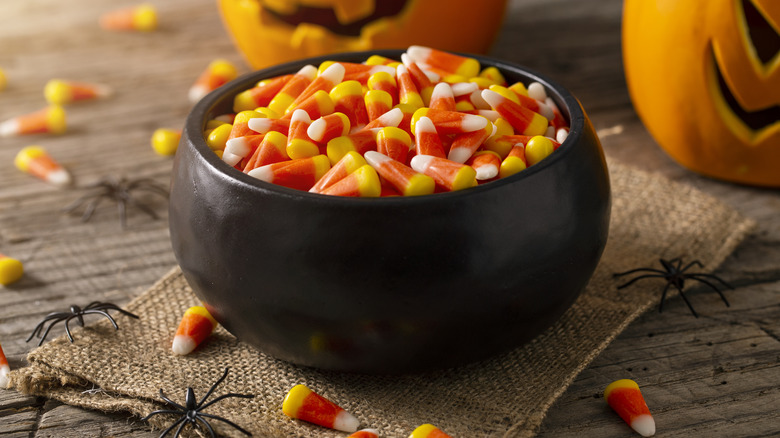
(26, 155)
(218, 137)
(465, 178)
(244, 116)
(294, 400)
(57, 92)
(420, 112)
(618, 384)
(338, 147)
(347, 88)
(219, 153)
(464, 105)
(493, 74)
(165, 141)
(419, 185)
(368, 182)
(321, 165)
(55, 119)
(223, 69)
(11, 270)
(213, 123)
(392, 132)
(200, 311)
(354, 161)
(3, 80)
(145, 18)
(243, 101)
(299, 148)
(538, 125)
(268, 112)
(423, 431)
(537, 149)
(280, 103)
(482, 82)
(324, 102)
(454, 79)
(510, 166)
(506, 92)
(519, 88)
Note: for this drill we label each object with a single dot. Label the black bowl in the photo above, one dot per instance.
(389, 285)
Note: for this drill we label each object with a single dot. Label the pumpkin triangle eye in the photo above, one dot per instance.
(765, 39)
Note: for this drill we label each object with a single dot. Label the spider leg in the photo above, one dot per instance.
(663, 297)
(222, 397)
(620, 274)
(122, 211)
(171, 402)
(213, 387)
(76, 203)
(91, 207)
(641, 277)
(148, 185)
(687, 302)
(143, 207)
(224, 420)
(691, 264)
(110, 306)
(101, 312)
(39, 327)
(722, 297)
(183, 420)
(158, 412)
(712, 276)
(67, 327)
(46, 333)
(205, 423)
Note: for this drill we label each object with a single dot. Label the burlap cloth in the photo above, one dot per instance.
(504, 396)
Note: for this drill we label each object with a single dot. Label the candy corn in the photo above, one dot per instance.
(403, 178)
(433, 117)
(218, 73)
(447, 174)
(165, 141)
(49, 120)
(61, 92)
(141, 18)
(349, 163)
(38, 163)
(365, 433)
(11, 270)
(3, 80)
(5, 369)
(301, 173)
(196, 325)
(304, 404)
(624, 397)
(428, 431)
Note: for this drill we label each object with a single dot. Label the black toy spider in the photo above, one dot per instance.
(120, 190)
(191, 412)
(675, 275)
(95, 307)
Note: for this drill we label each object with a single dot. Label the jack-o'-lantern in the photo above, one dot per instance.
(704, 77)
(273, 31)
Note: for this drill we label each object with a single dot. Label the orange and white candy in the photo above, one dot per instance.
(49, 120)
(61, 91)
(196, 325)
(304, 404)
(428, 431)
(142, 18)
(37, 162)
(5, 369)
(365, 433)
(624, 397)
(218, 73)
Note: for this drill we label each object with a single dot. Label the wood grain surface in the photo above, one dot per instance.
(713, 376)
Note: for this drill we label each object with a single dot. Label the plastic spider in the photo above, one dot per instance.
(675, 275)
(192, 411)
(121, 191)
(95, 307)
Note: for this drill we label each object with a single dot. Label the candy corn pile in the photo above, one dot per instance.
(431, 122)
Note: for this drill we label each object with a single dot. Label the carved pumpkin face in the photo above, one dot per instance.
(704, 77)
(274, 31)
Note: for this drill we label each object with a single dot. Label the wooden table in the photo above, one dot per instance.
(714, 376)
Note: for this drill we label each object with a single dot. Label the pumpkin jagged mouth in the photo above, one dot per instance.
(755, 120)
(766, 45)
(327, 17)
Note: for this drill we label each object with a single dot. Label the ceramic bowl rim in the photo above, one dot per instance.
(198, 117)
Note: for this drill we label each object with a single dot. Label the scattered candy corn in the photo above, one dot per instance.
(428, 431)
(165, 141)
(624, 397)
(141, 18)
(5, 369)
(61, 92)
(196, 325)
(433, 116)
(365, 433)
(37, 162)
(49, 120)
(218, 73)
(304, 404)
(11, 270)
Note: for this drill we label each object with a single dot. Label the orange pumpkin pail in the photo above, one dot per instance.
(704, 77)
